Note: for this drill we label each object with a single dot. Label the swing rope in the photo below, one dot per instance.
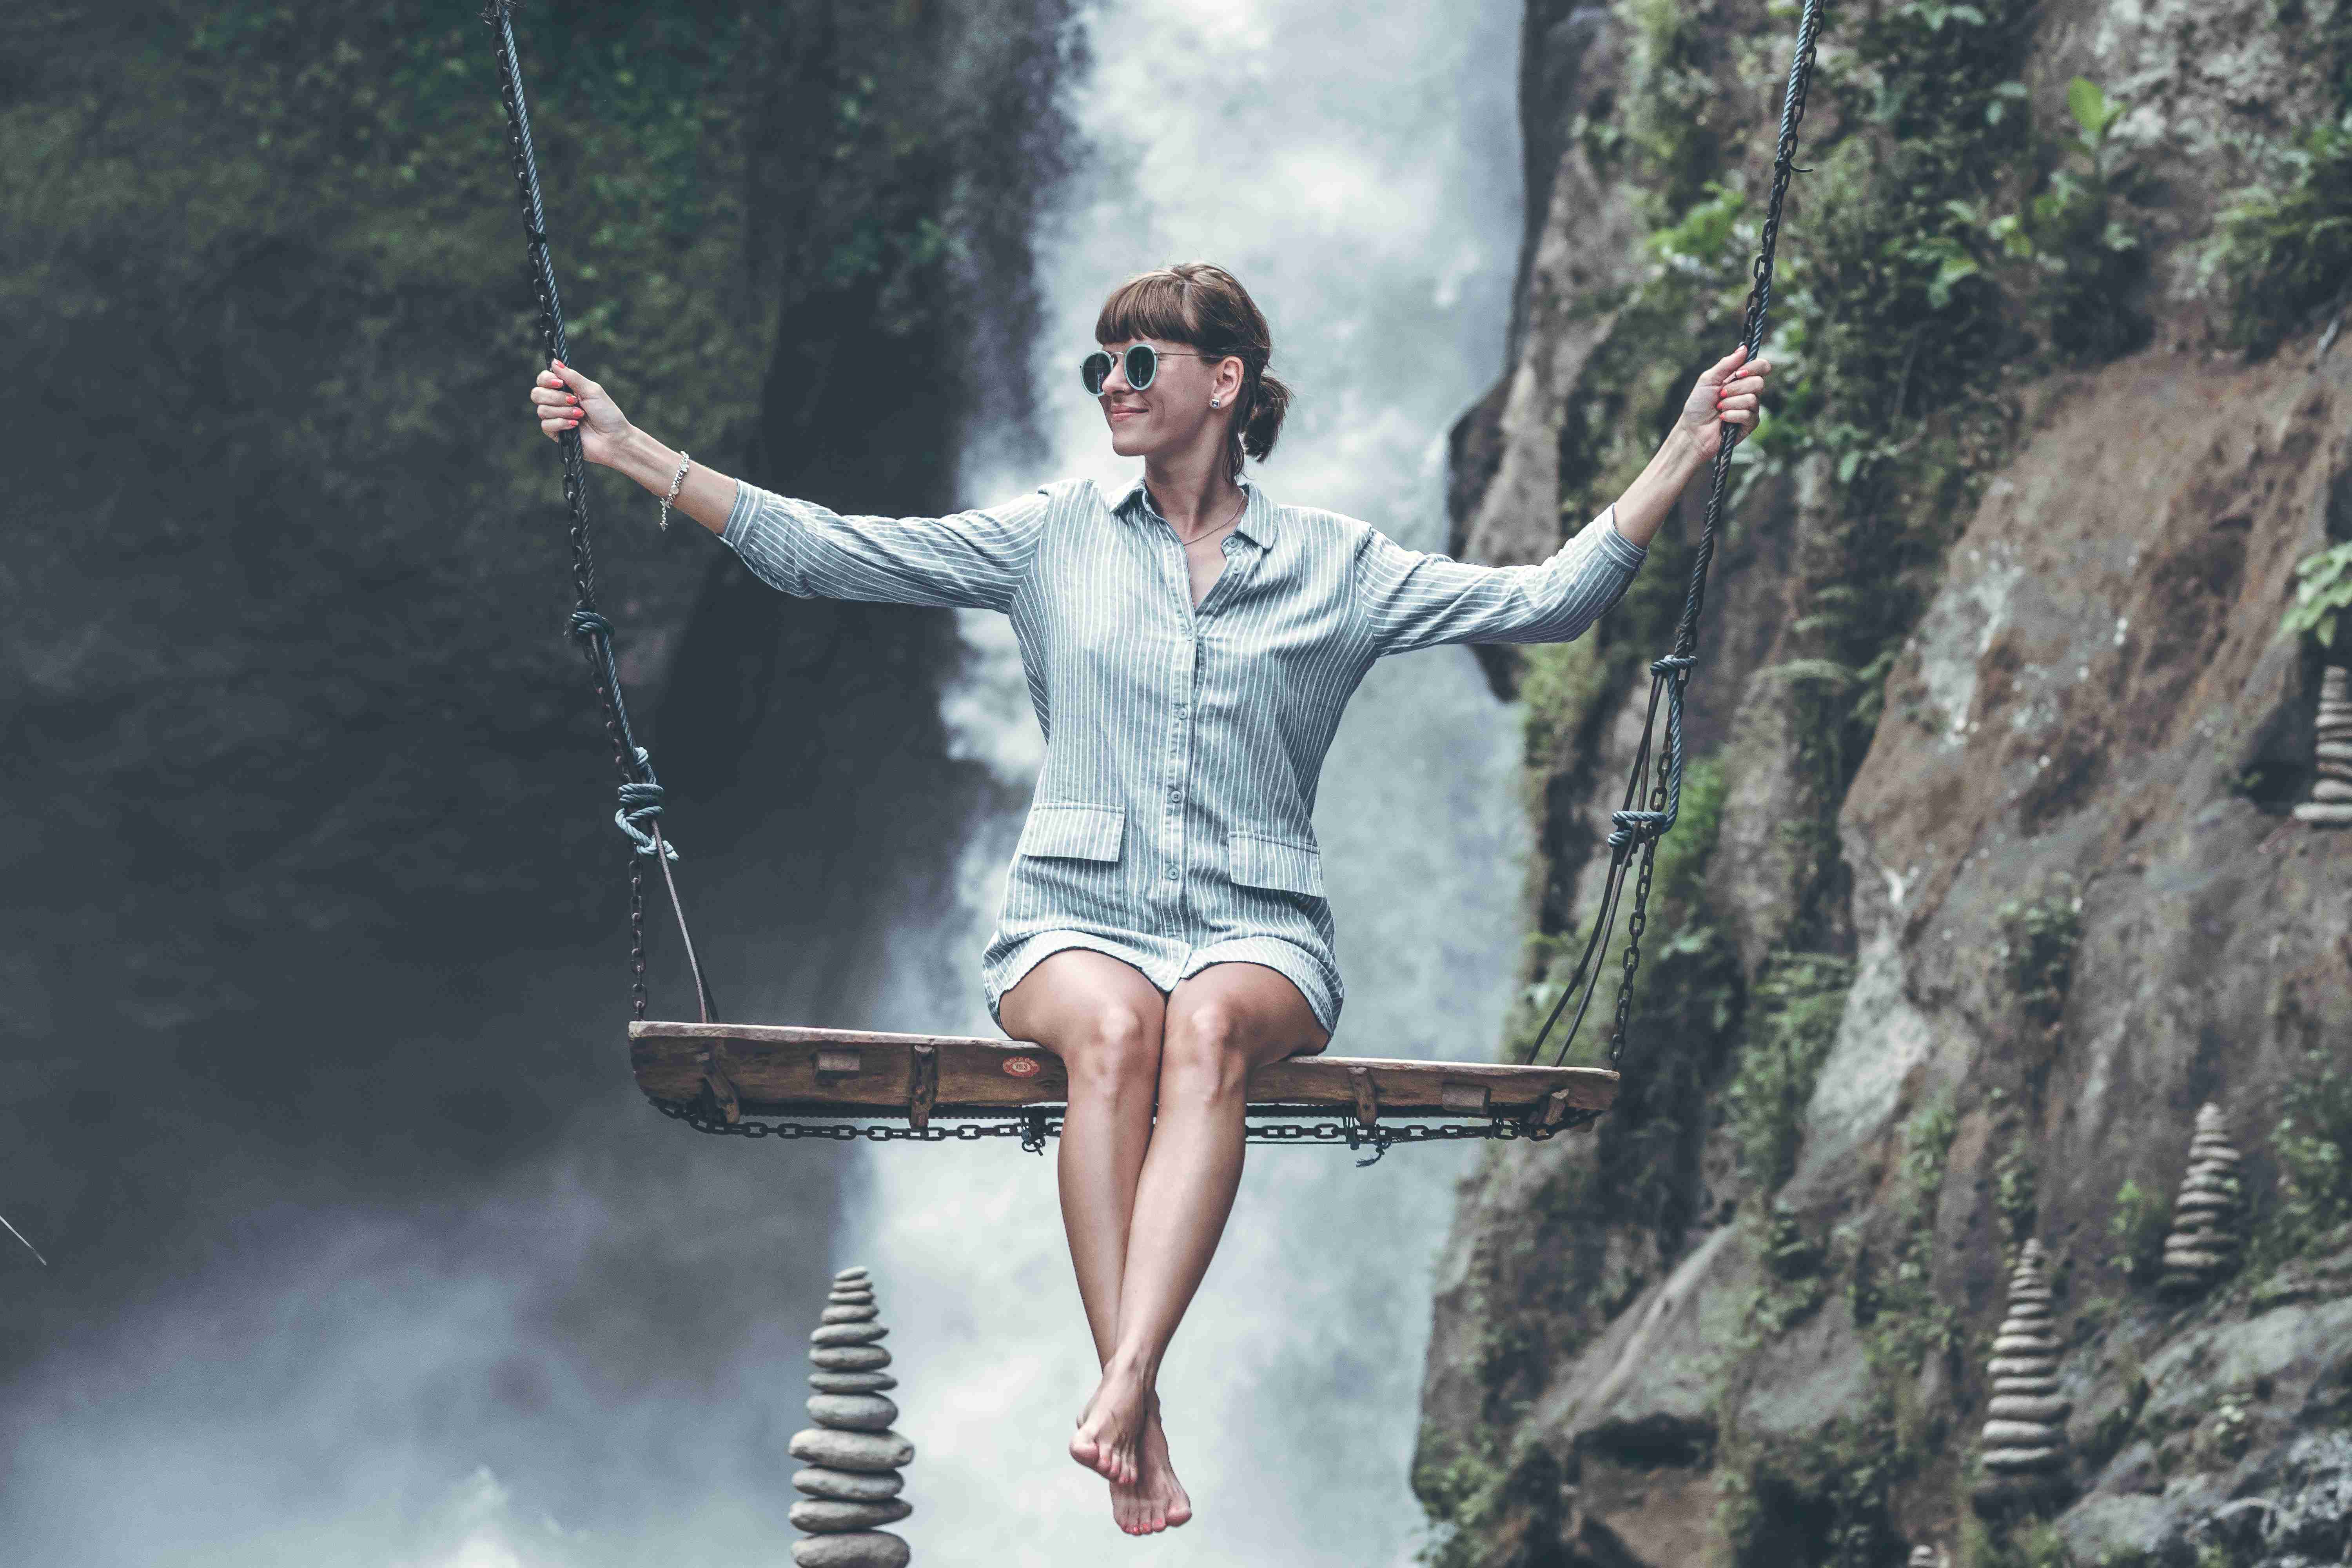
(639, 816)
(1634, 834)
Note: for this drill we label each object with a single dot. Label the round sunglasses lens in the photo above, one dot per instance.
(1143, 364)
(1094, 370)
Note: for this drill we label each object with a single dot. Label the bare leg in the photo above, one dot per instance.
(1104, 1019)
(1221, 1024)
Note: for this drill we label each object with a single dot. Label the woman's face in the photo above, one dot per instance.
(1172, 414)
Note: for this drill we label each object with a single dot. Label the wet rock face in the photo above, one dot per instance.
(2095, 726)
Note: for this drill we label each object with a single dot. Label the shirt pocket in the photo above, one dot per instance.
(1074, 829)
(1262, 861)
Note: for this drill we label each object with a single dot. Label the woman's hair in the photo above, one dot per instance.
(1205, 306)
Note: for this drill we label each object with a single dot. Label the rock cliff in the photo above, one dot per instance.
(1986, 878)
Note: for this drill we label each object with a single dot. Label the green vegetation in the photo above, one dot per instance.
(2039, 936)
(2139, 1226)
(2016, 1191)
(1470, 1493)
(1896, 1304)
(2323, 589)
(1793, 1020)
(2282, 247)
(2313, 1146)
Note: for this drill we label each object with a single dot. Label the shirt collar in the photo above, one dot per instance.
(1255, 523)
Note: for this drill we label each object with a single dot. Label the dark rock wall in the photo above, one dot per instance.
(316, 896)
(1989, 879)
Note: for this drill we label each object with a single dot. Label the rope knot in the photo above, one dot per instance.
(589, 624)
(641, 802)
(1669, 663)
(1633, 828)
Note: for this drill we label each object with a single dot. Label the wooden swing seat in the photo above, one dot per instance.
(787, 1070)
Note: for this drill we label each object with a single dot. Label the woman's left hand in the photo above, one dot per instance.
(1727, 394)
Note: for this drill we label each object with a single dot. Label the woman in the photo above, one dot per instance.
(1190, 645)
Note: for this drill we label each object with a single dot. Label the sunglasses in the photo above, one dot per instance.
(1142, 366)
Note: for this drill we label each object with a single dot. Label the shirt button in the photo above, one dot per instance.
(1171, 873)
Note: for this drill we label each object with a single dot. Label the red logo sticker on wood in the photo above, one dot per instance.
(1021, 1066)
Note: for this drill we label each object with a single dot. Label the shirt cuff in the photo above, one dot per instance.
(1620, 550)
(739, 517)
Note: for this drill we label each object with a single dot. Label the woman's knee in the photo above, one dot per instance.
(1207, 1054)
(1117, 1052)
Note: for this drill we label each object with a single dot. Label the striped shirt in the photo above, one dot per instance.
(1172, 822)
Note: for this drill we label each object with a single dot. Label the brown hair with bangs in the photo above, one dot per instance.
(1206, 308)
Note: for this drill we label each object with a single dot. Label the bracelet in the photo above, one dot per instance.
(684, 462)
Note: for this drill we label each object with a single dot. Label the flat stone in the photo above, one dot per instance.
(2029, 1407)
(850, 1485)
(2335, 750)
(860, 1548)
(2021, 1366)
(2013, 1459)
(849, 1314)
(2024, 1344)
(2217, 1150)
(852, 1412)
(2017, 1293)
(852, 1450)
(2335, 769)
(2209, 1182)
(2195, 1262)
(851, 1382)
(827, 1517)
(2022, 1434)
(2021, 1386)
(2331, 789)
(2205, 1203)
(849, 1358)
(2323, 813)
(849, 1334)
(854, 1271)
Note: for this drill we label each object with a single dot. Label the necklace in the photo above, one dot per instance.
(1204, 538)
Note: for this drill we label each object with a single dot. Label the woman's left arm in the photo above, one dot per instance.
(1727, 394)
(1411, 600)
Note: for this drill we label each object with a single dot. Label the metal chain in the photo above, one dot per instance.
(1035, 1126)
(1635, 831)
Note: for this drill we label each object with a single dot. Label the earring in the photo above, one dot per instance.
(1215, 401)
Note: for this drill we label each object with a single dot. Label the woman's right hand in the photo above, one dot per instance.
(562, 399)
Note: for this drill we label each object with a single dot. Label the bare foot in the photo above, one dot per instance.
(1157, 1501)
(1111, 1429)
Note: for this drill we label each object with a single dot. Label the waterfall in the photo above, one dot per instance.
(1368, 198)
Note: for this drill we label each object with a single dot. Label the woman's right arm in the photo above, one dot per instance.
(973, 560)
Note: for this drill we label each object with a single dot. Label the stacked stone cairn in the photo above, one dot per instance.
(2203, 1246)
(2025, 1432)
(2331, 796)
(854, 1457)
(1925, 1557)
